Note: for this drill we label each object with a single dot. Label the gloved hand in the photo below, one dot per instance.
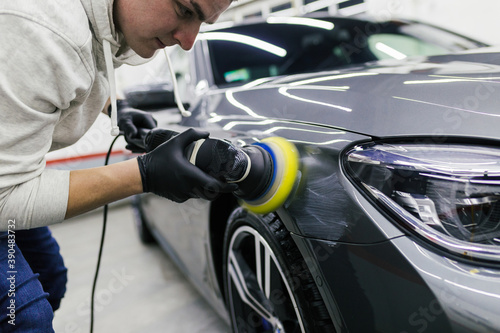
(166, 171)
(130, 122)
(156, 137)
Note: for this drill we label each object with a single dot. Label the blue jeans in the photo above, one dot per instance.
(32, 280)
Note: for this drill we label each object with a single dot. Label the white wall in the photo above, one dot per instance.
(478, 19)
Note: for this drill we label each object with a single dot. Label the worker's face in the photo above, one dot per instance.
(149, 25)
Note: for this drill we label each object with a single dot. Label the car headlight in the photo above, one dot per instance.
(447, 193)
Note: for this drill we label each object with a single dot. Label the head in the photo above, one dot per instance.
(149, 25)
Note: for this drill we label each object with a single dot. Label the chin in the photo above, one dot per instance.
(145, 53)
(144, 50)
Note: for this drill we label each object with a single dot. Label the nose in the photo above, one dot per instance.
(186, 34)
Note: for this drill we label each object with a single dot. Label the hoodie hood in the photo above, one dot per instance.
(100, 14)
(110, 48)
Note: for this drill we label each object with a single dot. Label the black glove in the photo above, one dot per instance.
(167, 172)
(156, 137)
(130, 122)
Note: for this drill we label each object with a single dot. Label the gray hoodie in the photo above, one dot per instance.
(53, 84)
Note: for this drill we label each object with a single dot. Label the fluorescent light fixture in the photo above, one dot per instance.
(353, 10)
(390, 51)
(301, 21)
(251, 41)
(320, 4)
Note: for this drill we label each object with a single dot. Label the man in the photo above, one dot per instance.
(53, 83)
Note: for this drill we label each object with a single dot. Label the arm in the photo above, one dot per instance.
(164, 171)
(95, 187)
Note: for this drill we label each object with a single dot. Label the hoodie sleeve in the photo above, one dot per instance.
(43, 74)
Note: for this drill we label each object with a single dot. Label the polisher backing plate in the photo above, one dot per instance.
(286, 165)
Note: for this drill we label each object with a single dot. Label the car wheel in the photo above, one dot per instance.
(267, 284)
(142, 227)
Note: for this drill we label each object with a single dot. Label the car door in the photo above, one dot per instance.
(183, 226)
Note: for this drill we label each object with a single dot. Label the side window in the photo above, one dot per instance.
(393, 46)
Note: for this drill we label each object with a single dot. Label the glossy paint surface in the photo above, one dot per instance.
(435, 96)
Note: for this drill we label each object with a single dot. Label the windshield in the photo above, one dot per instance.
(291, 45)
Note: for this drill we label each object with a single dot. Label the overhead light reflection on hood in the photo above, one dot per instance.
(329, 88)
(331, 77)
(434, 81)
(243, 39)
(321, 143)
(279, 128)
(284, 128)
(450, 79)
(232, 124)
(446, 106)
(284, 92)
(256, 82)
(233, 101)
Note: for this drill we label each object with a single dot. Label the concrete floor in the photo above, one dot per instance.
(139, 288)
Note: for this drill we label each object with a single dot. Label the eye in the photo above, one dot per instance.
(183, 11)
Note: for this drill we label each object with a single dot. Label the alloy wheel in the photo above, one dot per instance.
(261, 299)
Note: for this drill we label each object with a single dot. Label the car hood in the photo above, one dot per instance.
(453, 95)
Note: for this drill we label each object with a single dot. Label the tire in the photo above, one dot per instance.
(268, 287)
(141, 225)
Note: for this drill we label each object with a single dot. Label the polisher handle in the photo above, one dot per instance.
(218, 158)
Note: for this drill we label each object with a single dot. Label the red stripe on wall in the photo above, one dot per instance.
(85, 157)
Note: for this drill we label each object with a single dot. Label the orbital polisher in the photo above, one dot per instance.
(265, 171)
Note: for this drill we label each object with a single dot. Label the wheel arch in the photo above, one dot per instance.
(220, 210)
(301, 282)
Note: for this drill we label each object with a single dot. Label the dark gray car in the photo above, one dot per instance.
(394, 225)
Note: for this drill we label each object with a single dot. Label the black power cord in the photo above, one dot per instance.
(99, 256)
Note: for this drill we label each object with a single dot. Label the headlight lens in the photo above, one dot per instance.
(447, 193)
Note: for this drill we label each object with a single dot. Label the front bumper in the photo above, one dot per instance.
(400, 286)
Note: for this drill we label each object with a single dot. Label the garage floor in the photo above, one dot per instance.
(139, 289)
